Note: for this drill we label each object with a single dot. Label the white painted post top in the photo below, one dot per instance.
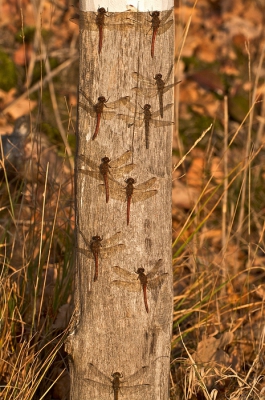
(125, 5)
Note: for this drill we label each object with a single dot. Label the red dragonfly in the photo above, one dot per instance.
(158, 26)
(99, 248)
(108, 170)
(145, 118)
(97, 110)
(117, 382)
(142, 282)
(148, 88)
(102, 20)
(131, 193)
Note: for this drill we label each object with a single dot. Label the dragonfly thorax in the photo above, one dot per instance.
(97, 238)
(130, 181)
(101, 10)
(147, 107)
(105, 160)
(102, 99)
(158, 77)
(117, 375)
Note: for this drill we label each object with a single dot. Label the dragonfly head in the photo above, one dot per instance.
(101, 10)
(147, 107)
(117, 375)
(105, 160)
(102, 99)
(140, 271)
(155, 14)
(130, 181)
(158, 77)
(97, 238)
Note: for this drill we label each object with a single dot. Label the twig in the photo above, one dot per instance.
(41, 82)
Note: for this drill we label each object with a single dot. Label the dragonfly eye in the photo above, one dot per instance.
(140, 270)
(158, 76)
(101, 10)
(155, 14)
(147, 107)
(130, 180)
(105, 160)
(102, 99)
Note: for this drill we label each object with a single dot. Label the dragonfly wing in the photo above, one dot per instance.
(119, 21)
(88, 109)
(117, 191)
(86, 253)
(126, 118)
(81, 91)
(151, 92)
(158, 123)
(168, 74)
(121, 160)
(132, 389)
(118, 195)
(157, 282)
(84, 238)
(143, 80)
(89, 163)
(107, 115)
(114, 238)
(166, 16)
(157, 113)
(166, 88)
(109, 251)
(122, 171)
(146, 185)
(120, 27)
(143, 195)
(131, 106)
(98, 385)
(141, 374)
(87, 21)
(155, 269)
(131, 120)
(163, 28)
(95, 372)
(130, 286)
(123, 273)
(93, 174)
(122, 101)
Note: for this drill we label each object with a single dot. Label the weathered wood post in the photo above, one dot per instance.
(121, 344)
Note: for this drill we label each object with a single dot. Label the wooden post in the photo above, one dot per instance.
(120, 348)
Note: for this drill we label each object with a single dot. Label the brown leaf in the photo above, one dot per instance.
(184, 196)
(194, 176)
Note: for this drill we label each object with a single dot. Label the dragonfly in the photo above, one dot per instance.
(98, 110)
(145, 118)
(102, 20)
(131, 193)
(100, 248)
(108, 170)
(158, 25)
(117, 382)
(148, 88)
(142, 282)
